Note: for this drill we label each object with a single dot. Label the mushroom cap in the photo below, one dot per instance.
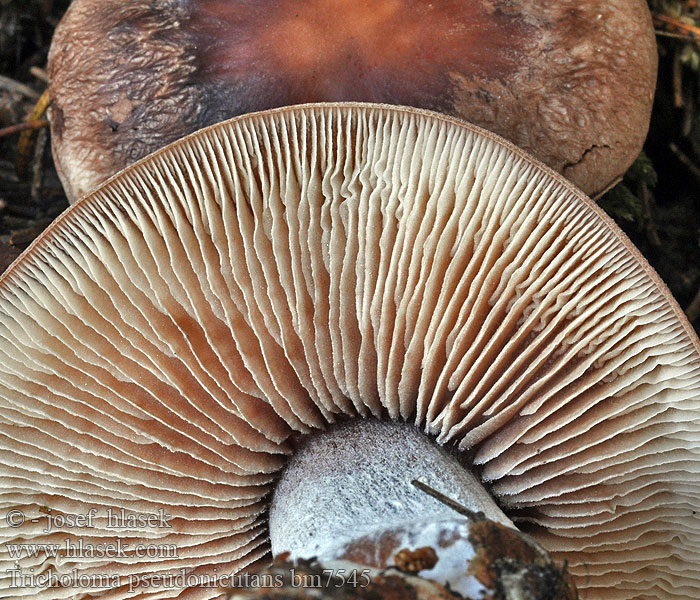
(270, 275)
(570, 82)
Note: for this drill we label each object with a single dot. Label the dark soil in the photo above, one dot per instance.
(30, 192)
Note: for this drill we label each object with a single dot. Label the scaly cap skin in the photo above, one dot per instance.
(570, 82)
(162, 342)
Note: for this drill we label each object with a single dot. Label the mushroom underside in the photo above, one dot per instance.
(279, 272)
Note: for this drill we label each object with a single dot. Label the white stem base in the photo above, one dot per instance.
(354, 483)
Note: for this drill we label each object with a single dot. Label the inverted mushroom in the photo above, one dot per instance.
(571, 82)
(177, 334)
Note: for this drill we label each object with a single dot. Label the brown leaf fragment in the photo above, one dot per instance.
(412, 561)
(513, 567)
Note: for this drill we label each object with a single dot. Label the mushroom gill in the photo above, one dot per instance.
(162, 343)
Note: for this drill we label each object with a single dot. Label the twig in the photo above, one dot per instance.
(675, 36)
(687, 119)
(25, 144)
(40, 74)
(15, 86)
(456, 506)
(26, 235)
(18, 127)
(693, 310)
(652, 232)
(693, 30)
(677, 80)
(685, 161)
(38, 166)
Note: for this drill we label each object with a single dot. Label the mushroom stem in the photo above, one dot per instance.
(348, 493)
(355, 478)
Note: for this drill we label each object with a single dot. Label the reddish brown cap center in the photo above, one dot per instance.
(394, 51)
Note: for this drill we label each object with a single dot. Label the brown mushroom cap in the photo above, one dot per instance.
(276, 273)
(570, 82)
